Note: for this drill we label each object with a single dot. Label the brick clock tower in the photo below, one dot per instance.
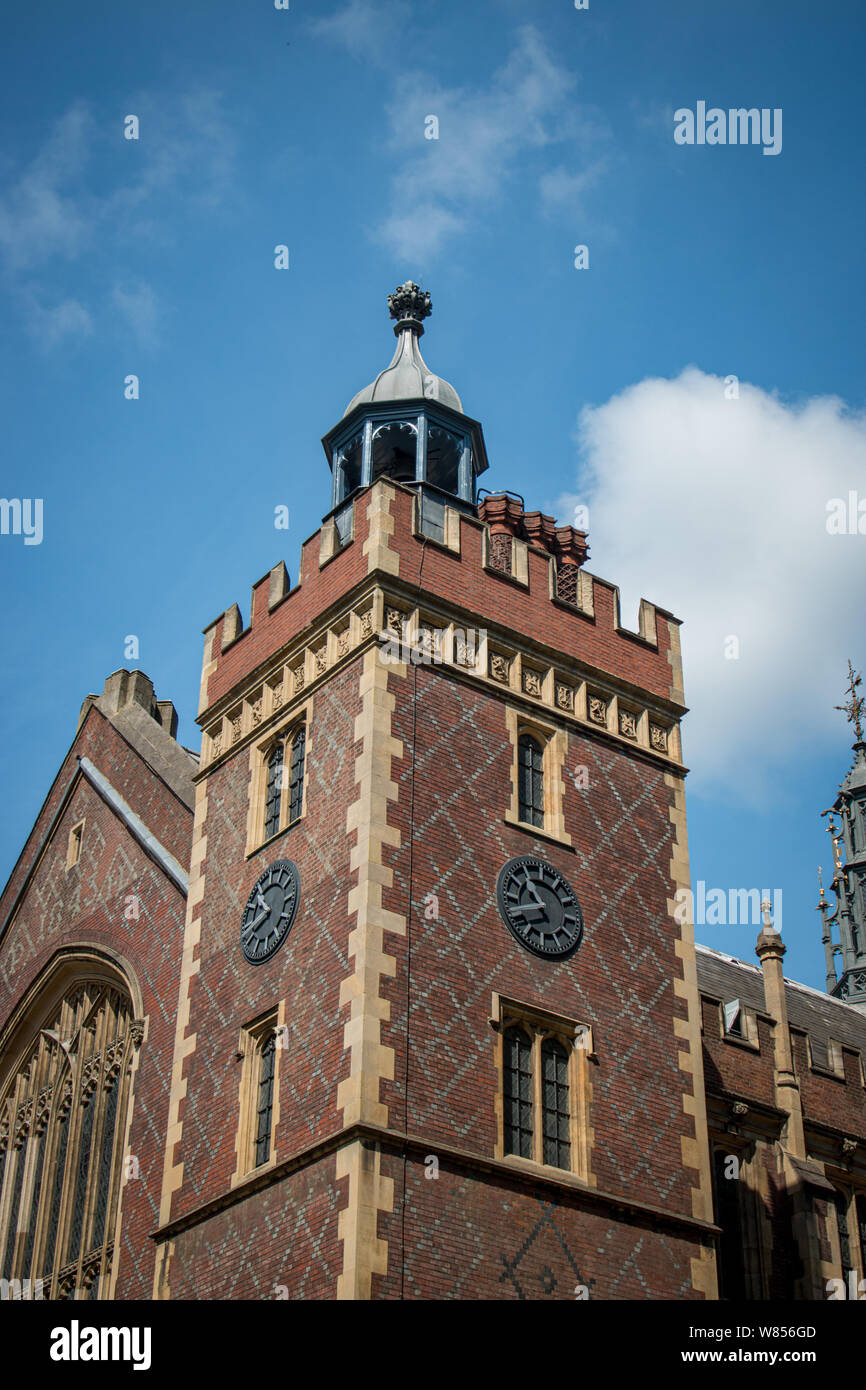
(437, 1026)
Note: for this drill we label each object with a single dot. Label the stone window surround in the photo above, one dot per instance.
(109, 1036)
(251, 1037)
(554, 744)
(749, 1038)
(260, 753)
(577, 1038)
(73, 847)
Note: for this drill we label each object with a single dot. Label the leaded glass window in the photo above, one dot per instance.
(530, 780)
(544, 1091)
(62, 1115)
(555, 1104)
(296, 775)
(265, 1102)
(274, 791)
(517, 1075)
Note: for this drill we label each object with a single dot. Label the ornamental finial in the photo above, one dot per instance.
(855, 706)
(409, 304)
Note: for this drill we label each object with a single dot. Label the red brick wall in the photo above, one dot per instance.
(162, 812)
(471, 1237)
(826, 1099)
(732, 1067)
(306, 971)
(280, 1243)
(621, 979)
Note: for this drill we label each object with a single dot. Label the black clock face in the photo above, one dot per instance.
(270, 911)
(539, 907)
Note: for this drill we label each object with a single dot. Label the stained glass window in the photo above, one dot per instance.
(61, 1113)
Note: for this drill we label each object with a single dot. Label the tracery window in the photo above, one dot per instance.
(62, 1122)
(544, 1089)
(282, 810)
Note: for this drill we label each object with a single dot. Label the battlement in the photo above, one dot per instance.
(507, 571)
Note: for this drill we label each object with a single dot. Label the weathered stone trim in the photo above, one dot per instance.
(695, 1149)
(564, 689)
(364, 1253)
(295, 716)
(184, 1045)
(509, 1170)
(371, 1061)
(377, 548)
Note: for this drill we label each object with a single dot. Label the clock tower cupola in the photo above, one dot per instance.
(408, 424)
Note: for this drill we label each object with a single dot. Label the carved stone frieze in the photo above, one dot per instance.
(499, 667)
(627, 724)
(598, 709)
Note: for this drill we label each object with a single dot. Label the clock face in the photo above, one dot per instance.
(539, 907)
(270, 911)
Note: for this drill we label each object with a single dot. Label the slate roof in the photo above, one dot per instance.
(810, 1010)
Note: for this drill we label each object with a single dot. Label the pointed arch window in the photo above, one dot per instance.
(62, 1121)
(274, 792)
(284, 791)
(530, 780)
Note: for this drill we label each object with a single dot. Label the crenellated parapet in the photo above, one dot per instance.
(570, 653)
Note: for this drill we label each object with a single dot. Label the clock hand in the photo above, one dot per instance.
(528, 883)
(251, 926)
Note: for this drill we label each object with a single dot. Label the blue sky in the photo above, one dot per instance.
(602, 387)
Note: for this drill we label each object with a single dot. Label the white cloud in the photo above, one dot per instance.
(52, 325)
(39, 218)
(486, 132)
(137, 303)
(51, 215)
(366, 28)
(717, 510)
(564, 190)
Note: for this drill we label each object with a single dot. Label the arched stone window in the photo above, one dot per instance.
(285, 768)
(63, 1114)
